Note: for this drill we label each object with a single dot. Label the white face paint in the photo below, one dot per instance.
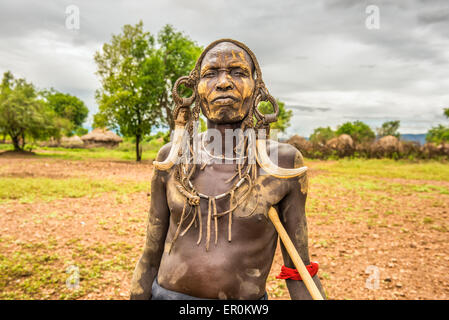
(226, 83)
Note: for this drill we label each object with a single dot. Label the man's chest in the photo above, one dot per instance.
(249, 198)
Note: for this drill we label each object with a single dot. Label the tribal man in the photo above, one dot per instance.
(208, 234)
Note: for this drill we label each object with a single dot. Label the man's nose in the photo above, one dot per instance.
(224, 83)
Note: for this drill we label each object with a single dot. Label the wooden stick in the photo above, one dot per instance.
(294, 255)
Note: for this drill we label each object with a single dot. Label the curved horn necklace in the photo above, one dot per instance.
(262, 157)
(272, 169)
(221, 157)
(172, 157)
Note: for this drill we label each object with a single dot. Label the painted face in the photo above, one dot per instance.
(226, 83)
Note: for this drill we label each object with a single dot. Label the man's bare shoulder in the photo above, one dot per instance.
(289, 157)
(163, 152)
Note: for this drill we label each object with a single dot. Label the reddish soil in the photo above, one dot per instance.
(411, 257)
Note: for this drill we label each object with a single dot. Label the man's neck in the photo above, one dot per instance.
(225, 132)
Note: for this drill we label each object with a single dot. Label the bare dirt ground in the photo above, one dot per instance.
(371, 244)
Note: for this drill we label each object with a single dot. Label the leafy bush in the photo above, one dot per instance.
(437, 135)
(359, 131)
(23, 114)
(389, 128)
(322, 135)
(80, 131)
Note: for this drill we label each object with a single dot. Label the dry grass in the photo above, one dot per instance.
(56, 213)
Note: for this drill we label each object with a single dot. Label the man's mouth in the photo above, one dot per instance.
(224, 100)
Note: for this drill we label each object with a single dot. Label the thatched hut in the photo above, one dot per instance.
(101, 138)
(302, 144)
(388, 146)
(65, 142)
(71, 142)
(343, 145)
(429, 150)
(444, 149)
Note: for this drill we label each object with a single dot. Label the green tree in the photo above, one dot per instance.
(179, 54)
(389, 128)
(321, 135)
(438, 134)
(67, 106)
(131, 72)
(284, 117)
(359, 131)
(80, 131)
(137, 77)
(23, 114)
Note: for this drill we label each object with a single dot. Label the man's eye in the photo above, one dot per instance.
(209, 74)
(239, 73)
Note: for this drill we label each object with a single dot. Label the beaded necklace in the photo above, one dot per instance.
(192, 198)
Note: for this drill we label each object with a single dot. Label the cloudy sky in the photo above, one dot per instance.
(330, 61)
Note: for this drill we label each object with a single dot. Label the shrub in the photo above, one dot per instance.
(322, 135)
(438, 134)
(359, 131)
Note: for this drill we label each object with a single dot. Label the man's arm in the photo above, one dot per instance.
(293, 217)
(157, 226)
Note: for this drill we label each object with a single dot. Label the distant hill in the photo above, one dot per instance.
(421, 138)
